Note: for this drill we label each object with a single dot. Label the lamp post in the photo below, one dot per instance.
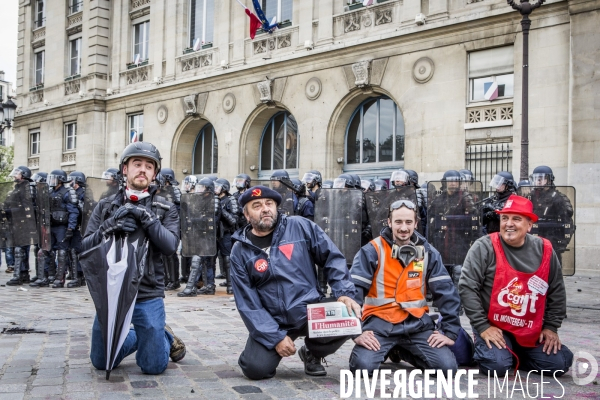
(525, 8)
(7, 115)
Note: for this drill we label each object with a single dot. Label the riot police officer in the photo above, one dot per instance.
(167, 176)
(227, 226)
(20, 195)
(413, 180)
(189, 186)
(327, 184)
(306, 204)
(242, 183)
(64, 214)
(77, 180)
(313, 181)
(111, 175)
(367, 185)
(380, 184)
(38, 177)
(204, 265)
(504, 185)
(348, 181)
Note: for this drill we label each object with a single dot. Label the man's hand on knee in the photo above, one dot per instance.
(493, 335)
(439, 340)
(368, 340)
(550, 340)
(286, 347)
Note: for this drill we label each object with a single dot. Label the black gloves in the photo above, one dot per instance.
(121, 221)
(69, 234)
(145, 216)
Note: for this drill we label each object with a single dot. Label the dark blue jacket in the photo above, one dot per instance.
(274, 301)
(439, 283)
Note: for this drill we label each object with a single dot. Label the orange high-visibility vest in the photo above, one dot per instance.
(396, 292)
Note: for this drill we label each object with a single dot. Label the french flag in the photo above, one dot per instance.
(255, 22)
(490, 90)
(367, 3)
(137, 59)
(197, 44)
(133, 136)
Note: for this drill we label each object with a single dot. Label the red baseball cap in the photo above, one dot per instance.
(518, 205)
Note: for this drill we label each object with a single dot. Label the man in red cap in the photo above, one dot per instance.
(513, 293)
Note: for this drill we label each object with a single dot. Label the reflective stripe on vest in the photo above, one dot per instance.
(414, 306)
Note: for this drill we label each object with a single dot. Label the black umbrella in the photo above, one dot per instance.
(113, 270)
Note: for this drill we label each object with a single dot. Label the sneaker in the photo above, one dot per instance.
(9, 270)
(177, 348)
(312, 365)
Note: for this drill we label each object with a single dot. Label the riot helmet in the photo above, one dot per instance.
(222, 186)
(21, 172)
(343, 181)
(280, 176)
(213, 177)
(169, 176)
(189, 183)
(110, 174)
(312, 178)
(356, 180)
(159, 180)
(399, 178)
(57, 177)
(380, 184)
(299, 187)
(328, 184)
(141, 149)
(205, 185)
(40, 177)
(542, 176)
(413, 178)
(242, 182)
(77, 177)
(502, 181)
(466, 175)
(451, 180)
(367, 185)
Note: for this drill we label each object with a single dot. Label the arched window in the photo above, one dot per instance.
(206, 152)
(202, 17)
(279, 144)
(375, 135)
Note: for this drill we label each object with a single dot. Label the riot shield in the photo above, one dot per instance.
(287, 203)
(22, 210)
(198, 230)
(339, 213)
(453, 221)
(555, 208)
(43, 216)
(5, 216)
(378, 205)
(167, 192)
(95, 190)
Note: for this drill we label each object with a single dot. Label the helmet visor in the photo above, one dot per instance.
(326, 185)
(380, 186)
(201, 188)
(467, 177)
(187, 185)
(539, 179)
(309, 177)
(339, 183)
(218, 188)
(52, 180)
(365, 185)
(107, 175)
(497, 182)
(399, 178)
(239, 183)
(16, 173)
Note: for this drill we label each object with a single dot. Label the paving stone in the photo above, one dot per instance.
(12, 396)
(12, 388)
(46, 390)
(247, 389)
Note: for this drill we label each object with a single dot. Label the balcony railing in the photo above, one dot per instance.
(38, 23)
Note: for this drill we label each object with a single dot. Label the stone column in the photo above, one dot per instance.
(240, 23)
(325, 29)
(223, 16)
(304, 13)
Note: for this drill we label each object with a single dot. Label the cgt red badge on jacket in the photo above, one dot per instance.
(261, 265)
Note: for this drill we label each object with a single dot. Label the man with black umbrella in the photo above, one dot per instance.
(137, 213)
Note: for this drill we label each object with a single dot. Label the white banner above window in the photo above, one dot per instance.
(497, 61)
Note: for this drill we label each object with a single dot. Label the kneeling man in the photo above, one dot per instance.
(274, 279)
(392, 273)
(513, 292)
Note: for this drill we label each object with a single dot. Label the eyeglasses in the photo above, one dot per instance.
(400, 203)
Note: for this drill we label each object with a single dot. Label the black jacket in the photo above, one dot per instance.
(163, 237)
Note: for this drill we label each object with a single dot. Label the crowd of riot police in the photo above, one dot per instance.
(50, 212)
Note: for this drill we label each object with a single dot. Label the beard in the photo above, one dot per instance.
(264, 225)
(132, 184)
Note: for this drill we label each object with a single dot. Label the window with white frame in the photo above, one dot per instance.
(282, 9)
(70, 136)
(279, 147)
(40, 14)
(34, 143)
(141, 36)
(75, 6)
(39, 67)
(206, 152)
(75, 57)
(136, 128)
(202, 19)
(491, 74)
(375, 135)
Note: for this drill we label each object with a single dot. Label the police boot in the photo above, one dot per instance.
(59, 280)
(36, 250)
(221, 271)
(170, 268)
(76, 279)
(185, 269)
(16, 280)
(190, 287)
(227, 262)
(51, 266)
(208, 290)
(42, 281)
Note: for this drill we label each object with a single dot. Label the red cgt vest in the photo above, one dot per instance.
(518, 299)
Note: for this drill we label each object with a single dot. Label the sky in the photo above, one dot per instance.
(9, 22)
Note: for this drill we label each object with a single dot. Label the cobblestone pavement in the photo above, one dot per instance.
(51, 359)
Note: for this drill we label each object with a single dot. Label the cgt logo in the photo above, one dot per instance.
(261, 265)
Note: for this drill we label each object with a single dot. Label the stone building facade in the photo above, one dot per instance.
(337, 87)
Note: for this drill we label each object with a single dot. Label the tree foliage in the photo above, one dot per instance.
(6, 162)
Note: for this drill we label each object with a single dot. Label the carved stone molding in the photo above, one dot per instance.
(365, 17)
(94, 75)
(74, 23)
(189, 104)
(272, 43)
(69, 158)
(36, 97)
(362, 72)
(162, 114)
(229, 102)
(313, 88)
(139, 8)
(33, 162)
(72, 87)
(423, 70)
(137, 75)
(351, 22)
(383, 16)
(265, 89)
(490, 114)
(196, 60)
(38, 37)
